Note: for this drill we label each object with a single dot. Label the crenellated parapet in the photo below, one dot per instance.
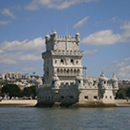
(55, 42)
(54, 37)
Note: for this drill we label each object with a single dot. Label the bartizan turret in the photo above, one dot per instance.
(114, 82)
(79, 81)
(103, 81)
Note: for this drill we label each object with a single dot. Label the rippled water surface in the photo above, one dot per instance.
(117, 118)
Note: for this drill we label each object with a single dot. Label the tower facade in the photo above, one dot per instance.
(62, 59)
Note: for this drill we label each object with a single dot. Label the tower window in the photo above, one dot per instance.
(55, 61)
(77, 62)
(47, 72)
(86, 97)
(71, 97)
(62, 61)
(72, 61)
(95, 97)
(62, 97)
(53, 82)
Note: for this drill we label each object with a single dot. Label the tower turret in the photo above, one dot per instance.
(114, 81)
(77, 38)
(55, 81)
(103, 81)
(79, 81)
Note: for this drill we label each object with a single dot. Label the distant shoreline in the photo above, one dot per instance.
(33, 103)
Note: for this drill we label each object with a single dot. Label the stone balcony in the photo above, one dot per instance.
(67, 52)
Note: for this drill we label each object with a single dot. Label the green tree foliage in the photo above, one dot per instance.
(11, 90)
(30, 91)
(128, 92)
(122, 93)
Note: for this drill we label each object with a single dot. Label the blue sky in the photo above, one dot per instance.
(104, 27)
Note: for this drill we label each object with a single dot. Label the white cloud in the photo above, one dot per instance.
(20, 54)
(107, 37)
(28, 69)
(7, 12)
(104, 37)
(8, 59)
(114, 19)
(90, 51)
(36, 44)
(15, 51)
(121, 64)
(123, 68)
(57, 4)
(81, 22)
(127, 59)
(30, 57)
(14, 58)
(4, 22)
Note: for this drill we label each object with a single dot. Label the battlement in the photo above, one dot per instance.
(54, 42)
(54, 36)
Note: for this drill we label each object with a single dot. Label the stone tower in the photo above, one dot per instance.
(62, 60)
(64, 83)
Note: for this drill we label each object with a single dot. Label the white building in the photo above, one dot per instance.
(63, 76)
(10, 75)
(2, 76)
(19, 75)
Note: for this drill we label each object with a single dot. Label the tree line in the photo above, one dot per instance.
(123, 93)
(12, 90)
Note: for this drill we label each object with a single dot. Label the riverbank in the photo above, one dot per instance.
(122, 103)
(32, 103)
(18, 103)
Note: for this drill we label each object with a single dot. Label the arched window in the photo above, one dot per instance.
(57, 70)
(71, 71)
(64, 71)
(62, 61)
(72, 61)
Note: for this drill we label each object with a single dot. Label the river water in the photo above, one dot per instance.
(116, 118)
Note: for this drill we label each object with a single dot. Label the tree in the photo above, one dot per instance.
(11, 90)
(121, 93)
(30, 91)
(128, 92)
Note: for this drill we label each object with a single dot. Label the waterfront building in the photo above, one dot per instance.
(19, 75)
(10, 76)
(64, 83)
(2, 76)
